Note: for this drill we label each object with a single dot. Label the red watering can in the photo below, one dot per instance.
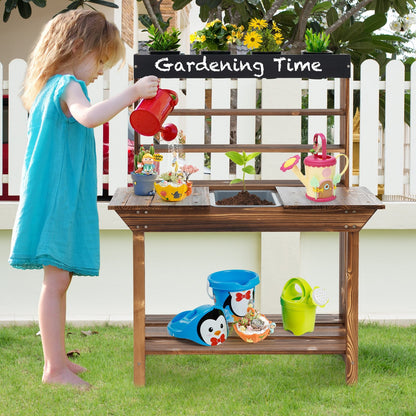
(150, 114)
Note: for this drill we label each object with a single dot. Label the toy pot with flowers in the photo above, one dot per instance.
(175, 186)
(171, 192)
(320, 178)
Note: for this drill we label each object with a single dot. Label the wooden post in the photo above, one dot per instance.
(139, 312)
(349, 248)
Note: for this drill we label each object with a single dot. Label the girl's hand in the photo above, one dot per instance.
(146, 87)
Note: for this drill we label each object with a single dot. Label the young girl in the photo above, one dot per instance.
(56, 227)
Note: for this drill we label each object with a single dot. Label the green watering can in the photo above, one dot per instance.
(299, 302)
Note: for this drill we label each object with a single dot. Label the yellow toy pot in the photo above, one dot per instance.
(172, 193)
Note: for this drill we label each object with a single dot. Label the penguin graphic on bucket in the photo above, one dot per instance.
(233, 291)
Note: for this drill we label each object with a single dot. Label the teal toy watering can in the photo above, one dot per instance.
(299, 302)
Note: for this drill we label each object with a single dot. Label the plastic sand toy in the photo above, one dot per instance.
(299, 302)
(253, 327)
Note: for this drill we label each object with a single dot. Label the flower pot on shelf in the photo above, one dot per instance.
(143, 184)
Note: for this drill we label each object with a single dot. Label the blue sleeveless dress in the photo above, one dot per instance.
(57, 219)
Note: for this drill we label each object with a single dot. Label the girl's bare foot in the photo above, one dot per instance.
(66, 376)
(75, 368)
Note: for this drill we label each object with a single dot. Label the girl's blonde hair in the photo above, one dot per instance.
(55, 49)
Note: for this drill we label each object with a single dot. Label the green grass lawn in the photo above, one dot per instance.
(276, 385)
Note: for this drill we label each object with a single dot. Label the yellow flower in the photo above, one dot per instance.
(275, 27)
(257, 23)
(278, 38)
(202, 38)
(252, 40)
(236, 34)
(192, 37)
(209, 24)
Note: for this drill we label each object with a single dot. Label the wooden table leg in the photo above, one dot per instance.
(349, 250)
(139, 349)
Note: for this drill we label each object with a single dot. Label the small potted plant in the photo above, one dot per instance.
(175, 186)
(244, 197)
(316, 42)
(263, 37)
(145, 173)
(168, 41)
(216, 36)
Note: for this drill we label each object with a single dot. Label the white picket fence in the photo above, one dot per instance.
(387, 157)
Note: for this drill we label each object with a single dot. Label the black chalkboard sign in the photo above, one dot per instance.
(243, 66)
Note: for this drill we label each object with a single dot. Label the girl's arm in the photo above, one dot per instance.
(78, 106)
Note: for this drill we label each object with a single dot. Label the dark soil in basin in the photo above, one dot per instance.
(244, 198)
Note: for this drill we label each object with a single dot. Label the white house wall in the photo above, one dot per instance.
(177, 266)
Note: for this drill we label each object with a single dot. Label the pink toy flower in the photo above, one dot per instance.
(188, 170)
(290, 163)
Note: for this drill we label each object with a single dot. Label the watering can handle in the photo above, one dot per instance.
(323, 141)
(346, 162)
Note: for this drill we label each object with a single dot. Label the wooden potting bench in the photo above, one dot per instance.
(346, 215)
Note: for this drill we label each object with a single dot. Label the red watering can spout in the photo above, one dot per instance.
(150, 114)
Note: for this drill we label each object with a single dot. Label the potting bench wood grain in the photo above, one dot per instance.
(333, 334)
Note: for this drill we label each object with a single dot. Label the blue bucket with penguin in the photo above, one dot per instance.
(233, 291)
(206, 325)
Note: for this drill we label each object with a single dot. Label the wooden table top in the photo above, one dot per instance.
(350, 211)
(289, 196)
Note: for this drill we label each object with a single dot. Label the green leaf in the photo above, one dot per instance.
(252, 156)
(104, 3)
(235, 157)
(384, 46)
(204, 13)
(392, 38)
(6, 15)
(249, 169)
(180, 4)
(39, 3)
(374, 22)
(24, 9)
(321, 7)
(212, 4)
(331, 16)
(10, 5)
(235, 181)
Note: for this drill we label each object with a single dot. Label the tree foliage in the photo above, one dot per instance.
(25, 9)
(351, 30)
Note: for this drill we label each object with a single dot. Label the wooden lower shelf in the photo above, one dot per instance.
(329, 337)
